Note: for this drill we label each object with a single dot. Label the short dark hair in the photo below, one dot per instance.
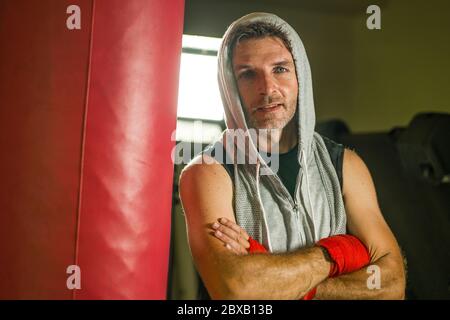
(257, 30)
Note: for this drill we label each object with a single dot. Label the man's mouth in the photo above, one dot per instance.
(269, 108)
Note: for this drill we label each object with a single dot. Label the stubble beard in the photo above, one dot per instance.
(270, 122)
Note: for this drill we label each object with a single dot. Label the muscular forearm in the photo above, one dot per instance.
(356, 285)
(284, 276)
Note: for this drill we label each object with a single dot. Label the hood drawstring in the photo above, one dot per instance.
(303, 155)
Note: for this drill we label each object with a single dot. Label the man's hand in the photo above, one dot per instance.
(232, 235)
(346, 252)
(237, 240)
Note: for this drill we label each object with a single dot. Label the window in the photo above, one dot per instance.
(198, 93)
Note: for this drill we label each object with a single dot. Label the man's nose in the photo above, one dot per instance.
(266, 84)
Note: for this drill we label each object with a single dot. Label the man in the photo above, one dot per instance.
(318, 223)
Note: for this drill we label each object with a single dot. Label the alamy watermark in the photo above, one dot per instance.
(374, 280)
(374, 20)
(74, 280)
(236, 147)
(74, 20)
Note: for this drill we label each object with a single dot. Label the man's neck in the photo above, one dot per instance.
(278, 140)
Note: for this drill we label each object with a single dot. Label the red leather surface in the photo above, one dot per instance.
(85, 140)
(124, 230)
(42, 92)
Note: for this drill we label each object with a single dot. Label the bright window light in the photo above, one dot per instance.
(199, 96)
(198, 42)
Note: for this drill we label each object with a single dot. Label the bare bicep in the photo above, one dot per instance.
(206, 195)
(364, 217)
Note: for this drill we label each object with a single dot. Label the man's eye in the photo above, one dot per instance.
(246, 74)
(280, 69)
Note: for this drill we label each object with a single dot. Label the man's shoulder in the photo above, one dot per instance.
(202, 162)
(204, 170)
(205, 190)
(355, 171)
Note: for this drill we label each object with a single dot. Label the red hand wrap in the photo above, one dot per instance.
(310, 295)
(347, 252)
(256, 247)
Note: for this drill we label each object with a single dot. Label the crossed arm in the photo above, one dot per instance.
(206, 194)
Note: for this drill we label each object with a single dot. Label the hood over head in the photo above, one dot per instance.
(234, 113)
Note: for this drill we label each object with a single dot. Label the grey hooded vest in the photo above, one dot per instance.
(263, 206)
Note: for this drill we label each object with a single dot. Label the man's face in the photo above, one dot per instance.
(267, 82)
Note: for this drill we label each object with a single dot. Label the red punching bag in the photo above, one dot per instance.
(87, 113)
